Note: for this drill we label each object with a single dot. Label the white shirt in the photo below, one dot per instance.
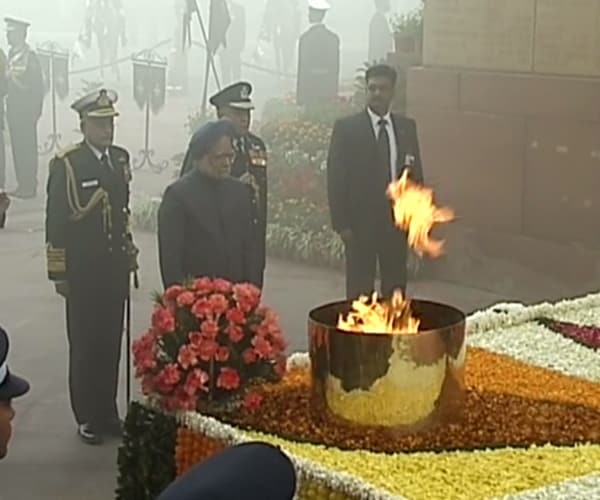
(391, 135)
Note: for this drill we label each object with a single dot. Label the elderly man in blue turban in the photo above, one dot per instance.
(205, 223)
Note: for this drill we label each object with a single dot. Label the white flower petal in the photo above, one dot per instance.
(582, 488)
(534, 344)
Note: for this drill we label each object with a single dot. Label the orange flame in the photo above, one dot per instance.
(416, 213)
(371, 315)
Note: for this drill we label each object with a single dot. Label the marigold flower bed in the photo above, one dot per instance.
(530, 430)
(508, 404)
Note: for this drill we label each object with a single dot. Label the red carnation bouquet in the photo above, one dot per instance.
(209, 343)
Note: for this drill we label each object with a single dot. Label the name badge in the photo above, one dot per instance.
(90, 183)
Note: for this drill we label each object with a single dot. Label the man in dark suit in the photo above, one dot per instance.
(205, 220)
(90, 256)
(24, 104)
(318, 59)
(381, 42)
(367, 151)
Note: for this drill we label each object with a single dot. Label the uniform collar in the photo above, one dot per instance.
(97, 153)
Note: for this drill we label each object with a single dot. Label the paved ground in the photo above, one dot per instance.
(46, 460)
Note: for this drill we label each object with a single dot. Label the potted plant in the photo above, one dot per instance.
(408, 31)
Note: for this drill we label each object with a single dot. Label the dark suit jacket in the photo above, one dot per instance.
(356, 180)
(205, 228)
(318, 65)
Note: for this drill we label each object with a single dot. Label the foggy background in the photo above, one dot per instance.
(62, 21)
(46, 460)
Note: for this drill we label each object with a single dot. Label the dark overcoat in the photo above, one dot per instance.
(206, 228)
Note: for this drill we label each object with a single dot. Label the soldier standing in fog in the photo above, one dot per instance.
(24, 104)
(381, 41)
(3, 91)
(231, 54)
(281, 27)
(318, 59)
(4, 200)
(250, 163)
(90, 255)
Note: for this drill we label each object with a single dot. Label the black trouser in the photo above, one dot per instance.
(363, 253)
(95, 332)
(24, 144)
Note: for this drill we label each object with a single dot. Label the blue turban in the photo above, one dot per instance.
(204, 140)
(250, 470)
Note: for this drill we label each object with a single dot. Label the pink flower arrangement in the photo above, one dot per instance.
(588, 336)
(209, 341)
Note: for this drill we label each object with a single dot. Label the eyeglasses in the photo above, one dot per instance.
(224, 156)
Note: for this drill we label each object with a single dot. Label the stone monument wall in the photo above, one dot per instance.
(508, 110)
(559, 37)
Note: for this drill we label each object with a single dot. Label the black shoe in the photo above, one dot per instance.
(88, 435)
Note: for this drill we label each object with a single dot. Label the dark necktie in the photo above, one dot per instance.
(383, 144)
(104, 161)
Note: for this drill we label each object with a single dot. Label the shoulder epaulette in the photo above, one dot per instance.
(119, 149)
(65, 151)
